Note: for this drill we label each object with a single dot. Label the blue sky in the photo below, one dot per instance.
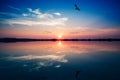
(52, 16)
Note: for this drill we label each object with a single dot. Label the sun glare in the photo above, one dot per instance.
(59, 36)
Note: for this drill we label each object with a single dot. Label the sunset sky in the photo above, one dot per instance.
(59, 19)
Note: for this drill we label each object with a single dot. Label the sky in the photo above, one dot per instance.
(59, 19)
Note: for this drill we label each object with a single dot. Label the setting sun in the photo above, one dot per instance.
(59, 36)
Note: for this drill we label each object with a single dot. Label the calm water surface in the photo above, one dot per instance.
(60, 61)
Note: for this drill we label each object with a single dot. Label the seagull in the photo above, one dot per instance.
(76, 7)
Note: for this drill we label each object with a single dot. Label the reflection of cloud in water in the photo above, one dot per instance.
(57, 66)
(45, 63)
(44, 60)
(58, 58)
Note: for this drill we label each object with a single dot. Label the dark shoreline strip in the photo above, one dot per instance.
(30, 40)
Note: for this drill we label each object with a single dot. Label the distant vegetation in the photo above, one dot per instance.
(29, 40)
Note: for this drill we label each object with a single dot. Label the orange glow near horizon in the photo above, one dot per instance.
(35, 33)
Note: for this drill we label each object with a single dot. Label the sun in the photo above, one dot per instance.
(59, 36)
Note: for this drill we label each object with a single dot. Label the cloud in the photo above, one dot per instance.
(53, 22)
(36, 11)
(25, 14)
(14, 8)
(57, 14)
(36, 18)
(48, 32)
(4, 14)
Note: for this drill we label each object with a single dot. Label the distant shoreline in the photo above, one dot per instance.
(31, 40)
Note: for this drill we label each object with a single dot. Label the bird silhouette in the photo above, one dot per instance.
(76, 7)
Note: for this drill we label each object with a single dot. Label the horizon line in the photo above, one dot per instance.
(55, 39)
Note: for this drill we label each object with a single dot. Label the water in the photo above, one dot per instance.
(60, 61)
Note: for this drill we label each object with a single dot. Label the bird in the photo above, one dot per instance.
(76, 7)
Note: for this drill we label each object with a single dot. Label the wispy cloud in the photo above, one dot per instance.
(9, 14)
(36, 17)
(48, 32)
(37, 22)
(14, 8)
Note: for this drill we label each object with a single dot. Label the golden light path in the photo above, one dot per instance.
(59, 43)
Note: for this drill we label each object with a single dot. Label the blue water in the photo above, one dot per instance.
(60, 61)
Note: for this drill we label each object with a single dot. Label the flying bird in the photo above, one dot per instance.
(76, 7)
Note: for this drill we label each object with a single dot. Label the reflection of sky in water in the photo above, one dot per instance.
(59, 60)
(45, 60)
